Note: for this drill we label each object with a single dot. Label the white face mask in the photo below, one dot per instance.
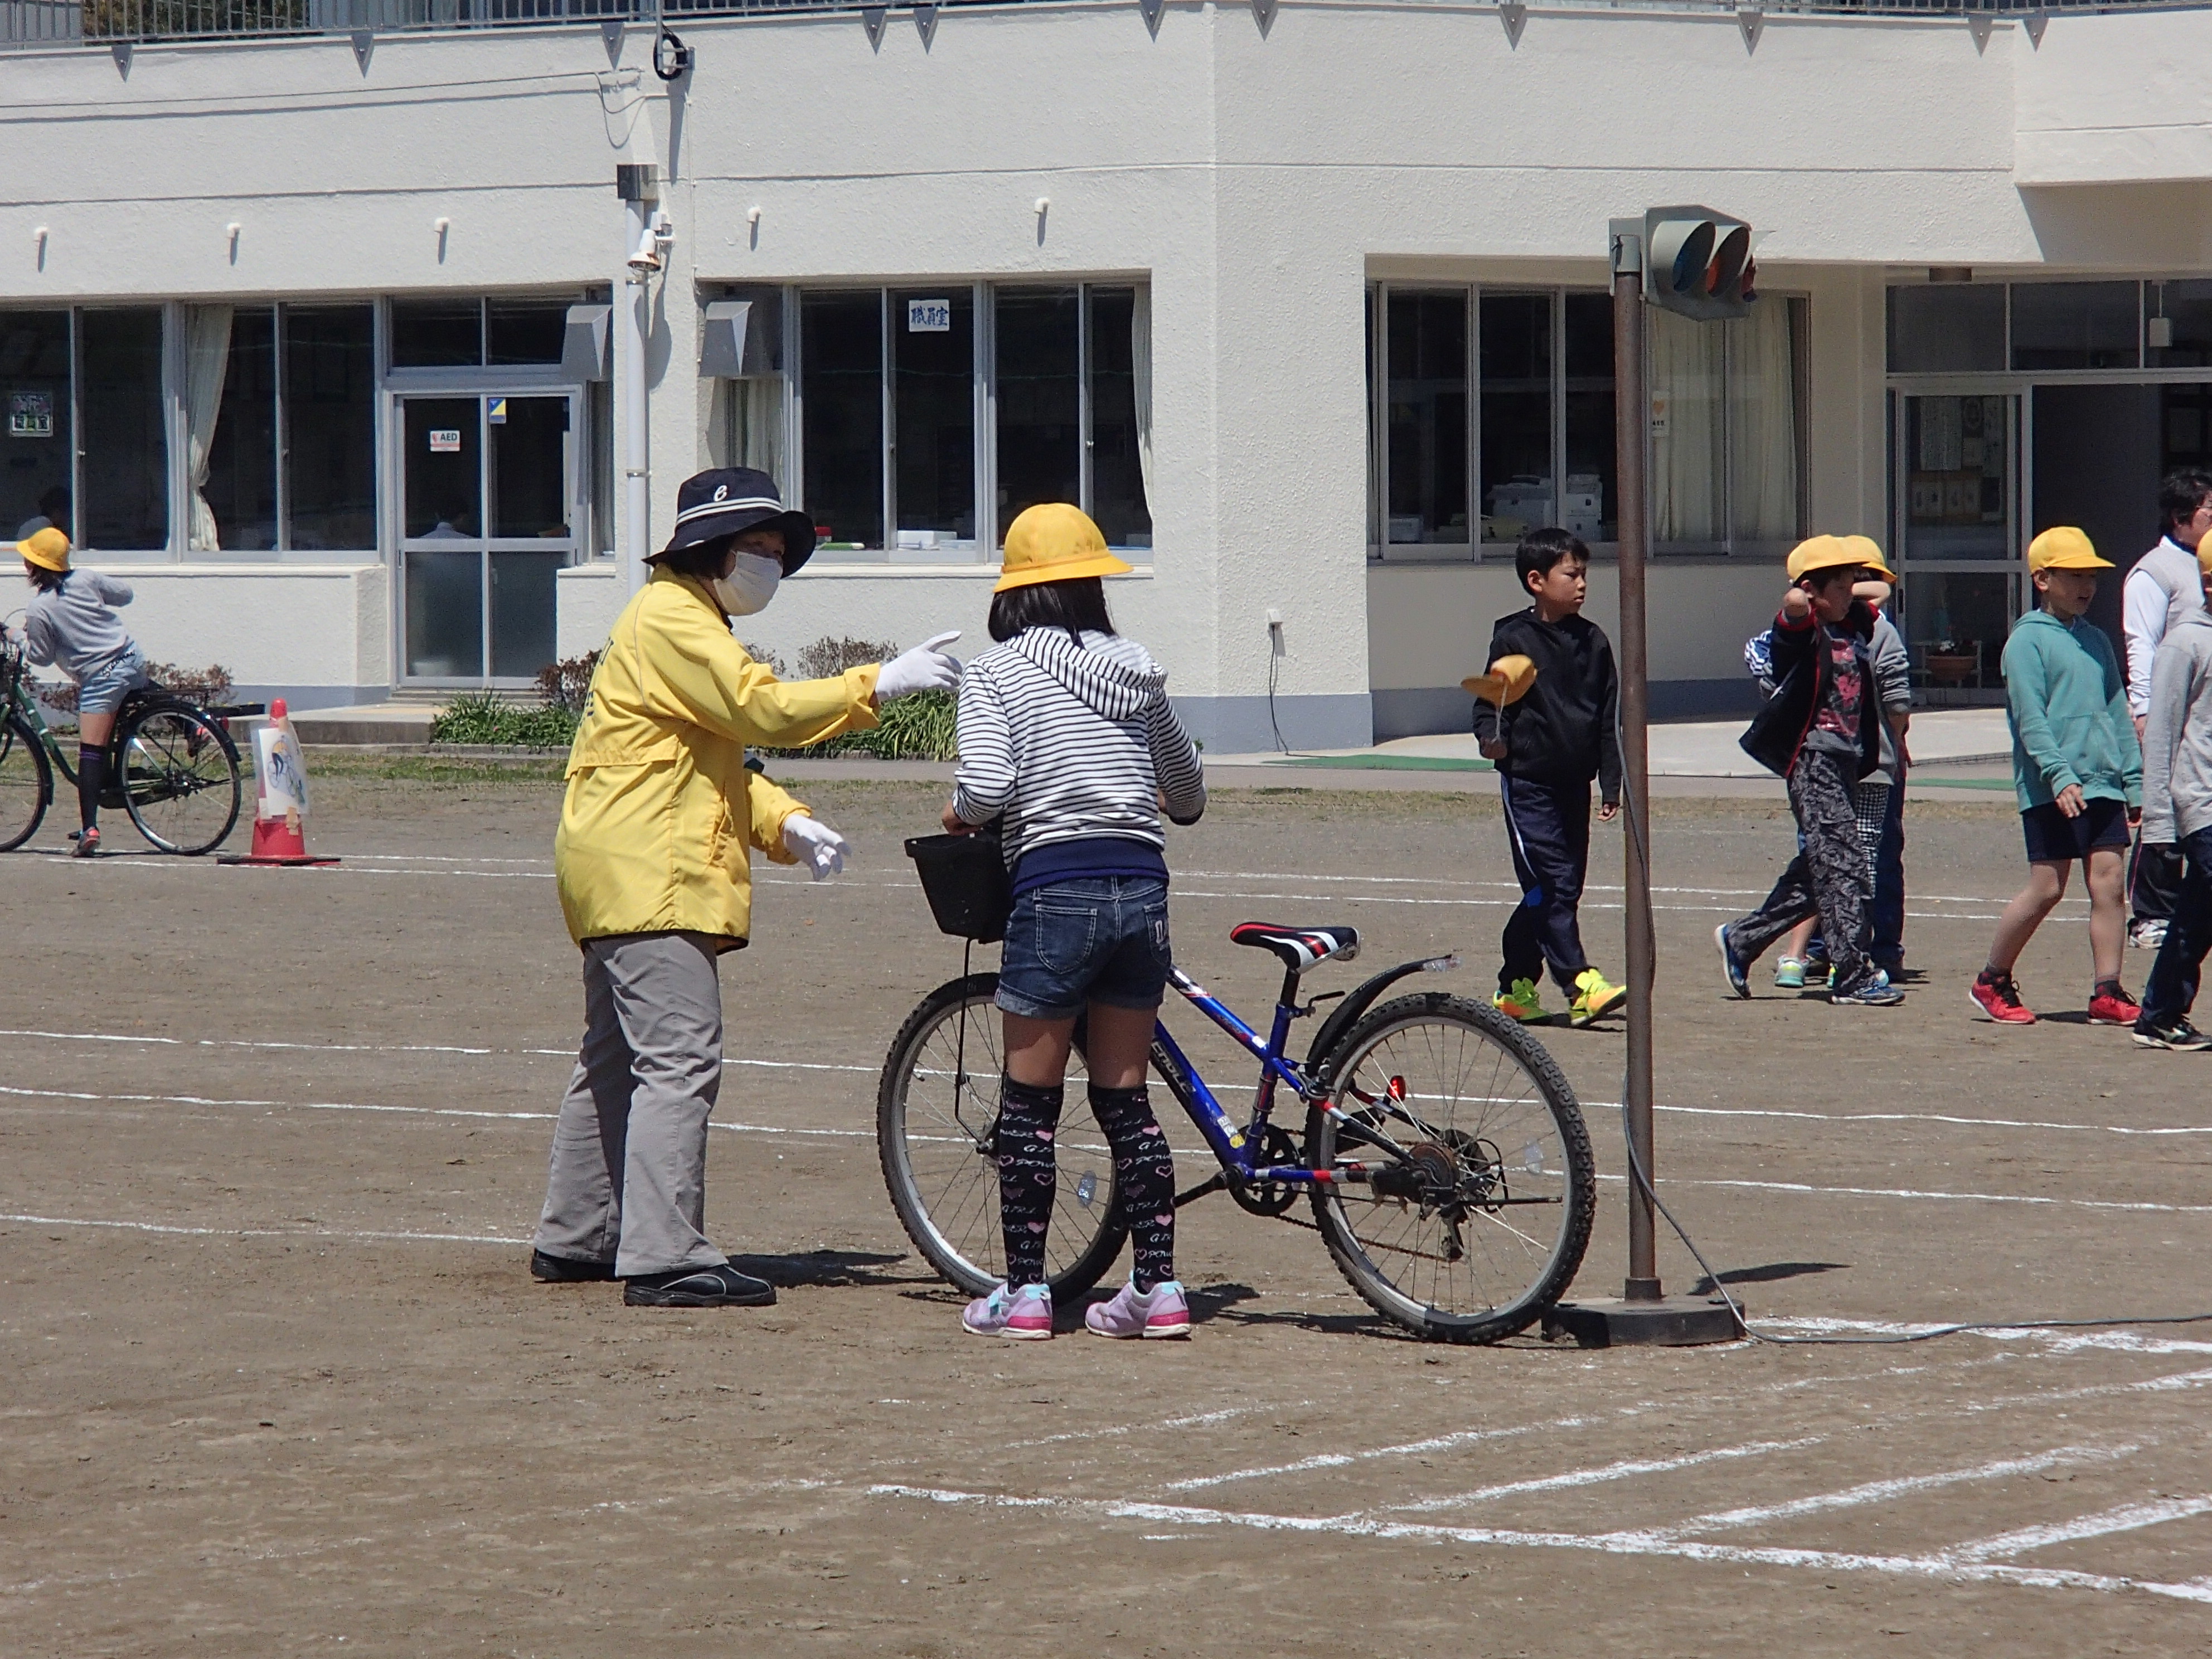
(749, 586)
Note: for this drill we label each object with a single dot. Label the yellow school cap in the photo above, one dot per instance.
(1869, 552)
(1052, 542)
(47, 548)
(2064, 549)
(1826, 553)
(1510, 679)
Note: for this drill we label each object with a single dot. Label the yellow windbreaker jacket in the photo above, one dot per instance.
(661, 809)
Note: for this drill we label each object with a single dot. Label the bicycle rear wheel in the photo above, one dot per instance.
(1478, 1190)
(180, 778)
(26, 784)
(937, 1114)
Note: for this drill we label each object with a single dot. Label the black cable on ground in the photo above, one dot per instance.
(1274, 656)
(1635, 827)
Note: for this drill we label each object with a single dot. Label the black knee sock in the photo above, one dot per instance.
(1146, 1169)
(1028, 1176)
(91, 780)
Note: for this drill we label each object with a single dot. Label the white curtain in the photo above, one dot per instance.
(1140, 376)
(1688, 461)
(206, 360)
(756, 425)
(1763, 424)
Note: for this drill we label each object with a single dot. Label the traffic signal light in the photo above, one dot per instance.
(1698, 263)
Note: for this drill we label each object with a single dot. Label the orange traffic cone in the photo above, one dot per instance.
(280, 807)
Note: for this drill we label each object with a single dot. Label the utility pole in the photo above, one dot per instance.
(1643, 1314)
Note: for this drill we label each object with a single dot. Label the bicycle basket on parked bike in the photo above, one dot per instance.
(964, 878)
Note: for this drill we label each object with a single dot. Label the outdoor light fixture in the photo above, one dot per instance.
(646, 259)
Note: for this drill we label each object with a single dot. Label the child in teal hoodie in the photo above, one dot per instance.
(2077, 771)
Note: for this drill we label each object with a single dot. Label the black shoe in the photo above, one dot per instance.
(569, 1270)
(2177, 1033)
(699, 1287)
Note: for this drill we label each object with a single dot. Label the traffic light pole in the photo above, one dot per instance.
(1631, 409)
(1643, 1315)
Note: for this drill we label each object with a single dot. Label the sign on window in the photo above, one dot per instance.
(30, 414)
(445, 441)
(929, 316)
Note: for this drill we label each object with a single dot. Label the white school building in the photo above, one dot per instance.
(325, 337)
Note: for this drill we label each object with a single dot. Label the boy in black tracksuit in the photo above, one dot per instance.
(1548, 746)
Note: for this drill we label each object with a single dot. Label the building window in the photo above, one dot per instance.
(275, 406)
(37, 474)
(1727, 422)
(894, 386)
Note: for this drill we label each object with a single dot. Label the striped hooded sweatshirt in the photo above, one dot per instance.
(1073, 743)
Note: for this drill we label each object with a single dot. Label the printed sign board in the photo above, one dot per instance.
(445, 441)
(30, 413)
(495, 411)
(929, 316)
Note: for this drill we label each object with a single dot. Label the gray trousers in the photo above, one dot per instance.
(1831, 876)
(629, 1181)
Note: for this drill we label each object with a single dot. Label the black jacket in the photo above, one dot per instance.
(1563, 731)
(1778, 730)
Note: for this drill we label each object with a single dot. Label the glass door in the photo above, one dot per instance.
(489, 518)
(1955, 474)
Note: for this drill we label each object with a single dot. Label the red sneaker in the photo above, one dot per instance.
(2111, 1005)
(1995, 995)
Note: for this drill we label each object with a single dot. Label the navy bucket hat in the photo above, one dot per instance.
(730, 499)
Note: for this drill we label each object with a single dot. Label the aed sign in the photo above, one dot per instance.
(929, 316)
(30, 414)
(445, 441)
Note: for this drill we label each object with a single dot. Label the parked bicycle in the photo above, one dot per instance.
(170, 763)
(1443, 1156)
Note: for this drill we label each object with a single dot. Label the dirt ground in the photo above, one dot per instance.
(273, 1378)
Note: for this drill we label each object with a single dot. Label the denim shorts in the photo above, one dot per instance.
(102, 690)
(1098, 938)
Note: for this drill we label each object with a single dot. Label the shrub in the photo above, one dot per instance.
(827, 657)
(480, 717)
(566, 683)
(211, 685)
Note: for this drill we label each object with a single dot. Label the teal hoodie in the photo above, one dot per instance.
(2067, 703)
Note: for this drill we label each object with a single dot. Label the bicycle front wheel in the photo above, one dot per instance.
(26, 784)
(179, 779)
(937, 1118)
(1474, 1186)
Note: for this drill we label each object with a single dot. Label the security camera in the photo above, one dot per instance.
(646, 259)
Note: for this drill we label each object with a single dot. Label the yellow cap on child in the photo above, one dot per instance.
(2064, 549)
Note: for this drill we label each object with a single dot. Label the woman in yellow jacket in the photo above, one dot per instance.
(653, 863)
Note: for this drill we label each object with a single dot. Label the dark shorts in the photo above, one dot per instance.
(1098, 938)
(2054, 838)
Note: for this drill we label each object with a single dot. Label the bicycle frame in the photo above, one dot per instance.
(1238, 1149)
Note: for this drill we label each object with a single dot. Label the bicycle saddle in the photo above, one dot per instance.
(1299, 948)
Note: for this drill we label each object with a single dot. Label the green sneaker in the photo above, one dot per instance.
(1594, 998)
(1522, 1002)
(1789, 974)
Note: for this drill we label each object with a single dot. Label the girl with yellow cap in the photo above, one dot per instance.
(71, 624)
(1068, 740)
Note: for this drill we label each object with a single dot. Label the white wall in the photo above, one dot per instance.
(320, 632)
(1258, 180)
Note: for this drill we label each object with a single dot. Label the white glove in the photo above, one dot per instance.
(815, 844)
(925, 668)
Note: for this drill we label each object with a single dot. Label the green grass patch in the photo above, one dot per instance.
(479, 717)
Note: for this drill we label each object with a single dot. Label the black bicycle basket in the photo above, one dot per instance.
(964, 878)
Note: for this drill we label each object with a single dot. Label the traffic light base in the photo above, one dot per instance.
(1673, 1322)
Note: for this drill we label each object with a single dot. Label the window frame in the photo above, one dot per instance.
(988, 548)
(1381, 551)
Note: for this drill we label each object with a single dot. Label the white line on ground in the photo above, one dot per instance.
(1625, 1469)
(1939, 1565)
(1880, 1492)
(1408, 1448)
(2128, 1518)
(1946, 1118)
(1926, 1194)
(265, 1232)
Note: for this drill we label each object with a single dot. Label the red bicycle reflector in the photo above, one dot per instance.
(1397, 1088)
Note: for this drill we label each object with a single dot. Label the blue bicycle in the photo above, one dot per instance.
(1443, 1155)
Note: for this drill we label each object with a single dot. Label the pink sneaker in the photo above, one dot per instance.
(1024, 1314)
(1159, 1312)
